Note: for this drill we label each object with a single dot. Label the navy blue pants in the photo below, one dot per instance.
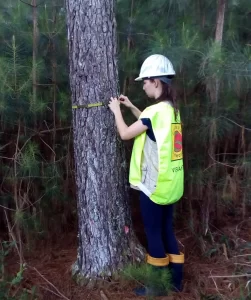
(158, 224)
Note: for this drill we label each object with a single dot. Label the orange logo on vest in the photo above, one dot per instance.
(177, 142)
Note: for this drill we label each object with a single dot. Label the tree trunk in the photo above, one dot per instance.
(34, 57)
(54, 79)
(220, 20)
(214, 90)
(106, 238)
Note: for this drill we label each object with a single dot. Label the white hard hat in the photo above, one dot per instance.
(156, 65)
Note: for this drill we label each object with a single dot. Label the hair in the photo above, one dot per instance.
(169, 93)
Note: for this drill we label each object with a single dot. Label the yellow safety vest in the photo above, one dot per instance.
(168, 134)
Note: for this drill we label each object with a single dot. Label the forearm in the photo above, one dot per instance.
(120, 123)
(136, 112)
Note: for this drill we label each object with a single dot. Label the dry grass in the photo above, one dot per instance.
(223, 271)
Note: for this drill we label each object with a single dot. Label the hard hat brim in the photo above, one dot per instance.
(155, 76)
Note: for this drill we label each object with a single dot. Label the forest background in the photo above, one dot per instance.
(37, 191)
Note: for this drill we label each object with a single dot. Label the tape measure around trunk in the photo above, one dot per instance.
(89, 105)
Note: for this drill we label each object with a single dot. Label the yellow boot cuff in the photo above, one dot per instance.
(177, 259)
(158, 262)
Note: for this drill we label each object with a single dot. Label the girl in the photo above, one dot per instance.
(156, 167)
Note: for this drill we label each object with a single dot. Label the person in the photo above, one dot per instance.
(156, 167)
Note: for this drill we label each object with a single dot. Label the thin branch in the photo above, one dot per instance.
(23, 209)
(4, 157)
(5, 145)
(51, 130)
(215, 285)
(136, 33)
(209, 167)
(248, 129)
(103, 295)
(48, 146)
(218, 162)
(12, 235)
(44, 84)
(242, 264)
(241, 255)
(23, 146)
(230, 276)
(32, 204)
(27, 3)
(64, 297)
(50, 291)
(7, 208)
(33, 6)
(217, 154)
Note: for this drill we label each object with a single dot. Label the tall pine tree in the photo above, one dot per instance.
(106, 238)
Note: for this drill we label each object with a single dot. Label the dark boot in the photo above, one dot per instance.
(176, 263)
(154, 288)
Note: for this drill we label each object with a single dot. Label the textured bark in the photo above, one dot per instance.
(101, 171)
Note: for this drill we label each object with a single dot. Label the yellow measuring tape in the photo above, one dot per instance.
(89, 105)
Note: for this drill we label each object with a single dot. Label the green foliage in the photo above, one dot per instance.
(34, 102)
(29, 163)
(11, 286)
(213, 85)
(149, 276)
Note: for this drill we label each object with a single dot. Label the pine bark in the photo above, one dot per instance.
(105, 245)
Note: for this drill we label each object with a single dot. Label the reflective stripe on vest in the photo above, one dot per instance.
(168, 134)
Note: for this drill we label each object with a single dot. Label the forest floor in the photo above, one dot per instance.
(222, 272)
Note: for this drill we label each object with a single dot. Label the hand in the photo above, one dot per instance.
(114, 105)
(124, 100)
